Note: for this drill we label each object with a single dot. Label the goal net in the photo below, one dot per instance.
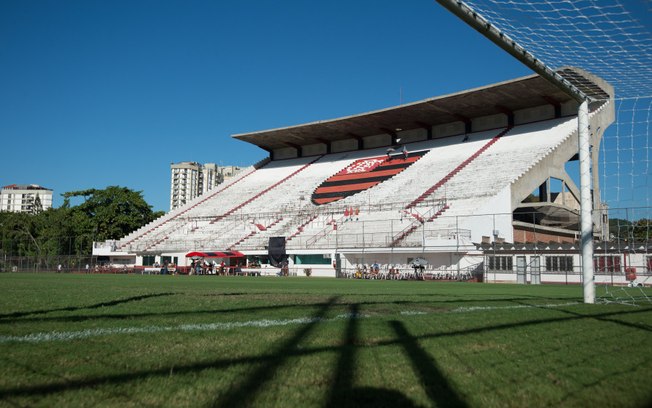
(613, 40)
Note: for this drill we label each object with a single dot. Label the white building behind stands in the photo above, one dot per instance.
(190, 180)
(27, 198)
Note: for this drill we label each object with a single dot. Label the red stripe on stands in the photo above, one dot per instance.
(347, 187)
(361, 176)
(326, 200)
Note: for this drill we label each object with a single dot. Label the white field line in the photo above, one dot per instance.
(43, 337)
(476, 308)
(74, 335)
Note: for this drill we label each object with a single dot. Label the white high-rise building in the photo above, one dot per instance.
(27, 198)
(191, 179)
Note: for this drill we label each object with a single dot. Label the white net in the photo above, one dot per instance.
(611, 39)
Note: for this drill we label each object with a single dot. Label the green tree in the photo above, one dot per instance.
(620, 229)
(632, 231)
(110, 213)
(642, 230)
(70, 230)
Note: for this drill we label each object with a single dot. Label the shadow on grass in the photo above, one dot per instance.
(25, 316)
(341, 389)
(439, 390)
(377, 398)
(244, 393)
(607, 317)
(75, 308)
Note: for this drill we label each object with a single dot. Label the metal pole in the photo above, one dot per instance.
(586, 221)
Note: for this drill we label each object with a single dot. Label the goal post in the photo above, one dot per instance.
(491, 32)
(586, 205)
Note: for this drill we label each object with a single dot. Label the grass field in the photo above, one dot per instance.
(125, 340)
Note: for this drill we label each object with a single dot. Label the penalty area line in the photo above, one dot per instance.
(43, 337)
(82, 334)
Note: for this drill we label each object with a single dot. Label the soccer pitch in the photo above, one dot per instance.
(132, 340)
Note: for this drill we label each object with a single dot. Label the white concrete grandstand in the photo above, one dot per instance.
(435, 180)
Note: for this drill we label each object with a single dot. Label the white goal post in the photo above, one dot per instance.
(479, 23)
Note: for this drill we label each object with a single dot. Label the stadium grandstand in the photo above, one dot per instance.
(443, 184)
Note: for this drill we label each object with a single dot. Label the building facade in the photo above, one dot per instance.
(189, 180)
(27, 198)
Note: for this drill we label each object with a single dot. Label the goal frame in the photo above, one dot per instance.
(492, 33)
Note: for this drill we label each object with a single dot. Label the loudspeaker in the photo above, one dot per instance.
(276, 251)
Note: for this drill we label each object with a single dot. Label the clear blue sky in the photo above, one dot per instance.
(99, 93)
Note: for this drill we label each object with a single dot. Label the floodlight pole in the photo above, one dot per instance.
(484, 27)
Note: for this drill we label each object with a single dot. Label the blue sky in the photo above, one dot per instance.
(99, 93)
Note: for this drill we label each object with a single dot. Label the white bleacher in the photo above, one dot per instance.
(229, 217)
(510, 157)
(178, 212)
(503, 163)
(218, 203)
(444, 156)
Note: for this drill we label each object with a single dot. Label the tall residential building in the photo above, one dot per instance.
(191, 179)
(27, 198)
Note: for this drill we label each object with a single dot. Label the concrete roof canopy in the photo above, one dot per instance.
(504, 97)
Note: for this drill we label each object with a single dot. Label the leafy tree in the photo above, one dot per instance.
(70, 230)
(642, 229)
(38, 206)
(110, 213)
(625, 230)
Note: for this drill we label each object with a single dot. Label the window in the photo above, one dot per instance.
(315, 259)
(607, 264)
(559, 264)
(500, 263)
(169, 260)
(148, 260)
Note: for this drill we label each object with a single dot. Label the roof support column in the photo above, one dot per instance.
(329, 147)
(298, 148)
(468, 127)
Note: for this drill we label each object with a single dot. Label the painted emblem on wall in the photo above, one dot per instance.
(362, 175)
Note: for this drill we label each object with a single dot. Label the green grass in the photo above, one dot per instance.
(120, 340)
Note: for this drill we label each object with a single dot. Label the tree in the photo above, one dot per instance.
(110, 213)
(70, 230)
(642, 229)
(632, 231)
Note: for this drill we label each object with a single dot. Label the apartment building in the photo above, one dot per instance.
(191, 179)
(27, 198)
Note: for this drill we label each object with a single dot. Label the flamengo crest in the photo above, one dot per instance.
(361, 175)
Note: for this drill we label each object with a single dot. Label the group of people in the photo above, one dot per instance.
(200, 267)
(392, 272)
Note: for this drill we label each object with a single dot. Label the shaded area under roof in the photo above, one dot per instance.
(504, 97)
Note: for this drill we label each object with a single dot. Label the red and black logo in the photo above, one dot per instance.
(361, 175)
